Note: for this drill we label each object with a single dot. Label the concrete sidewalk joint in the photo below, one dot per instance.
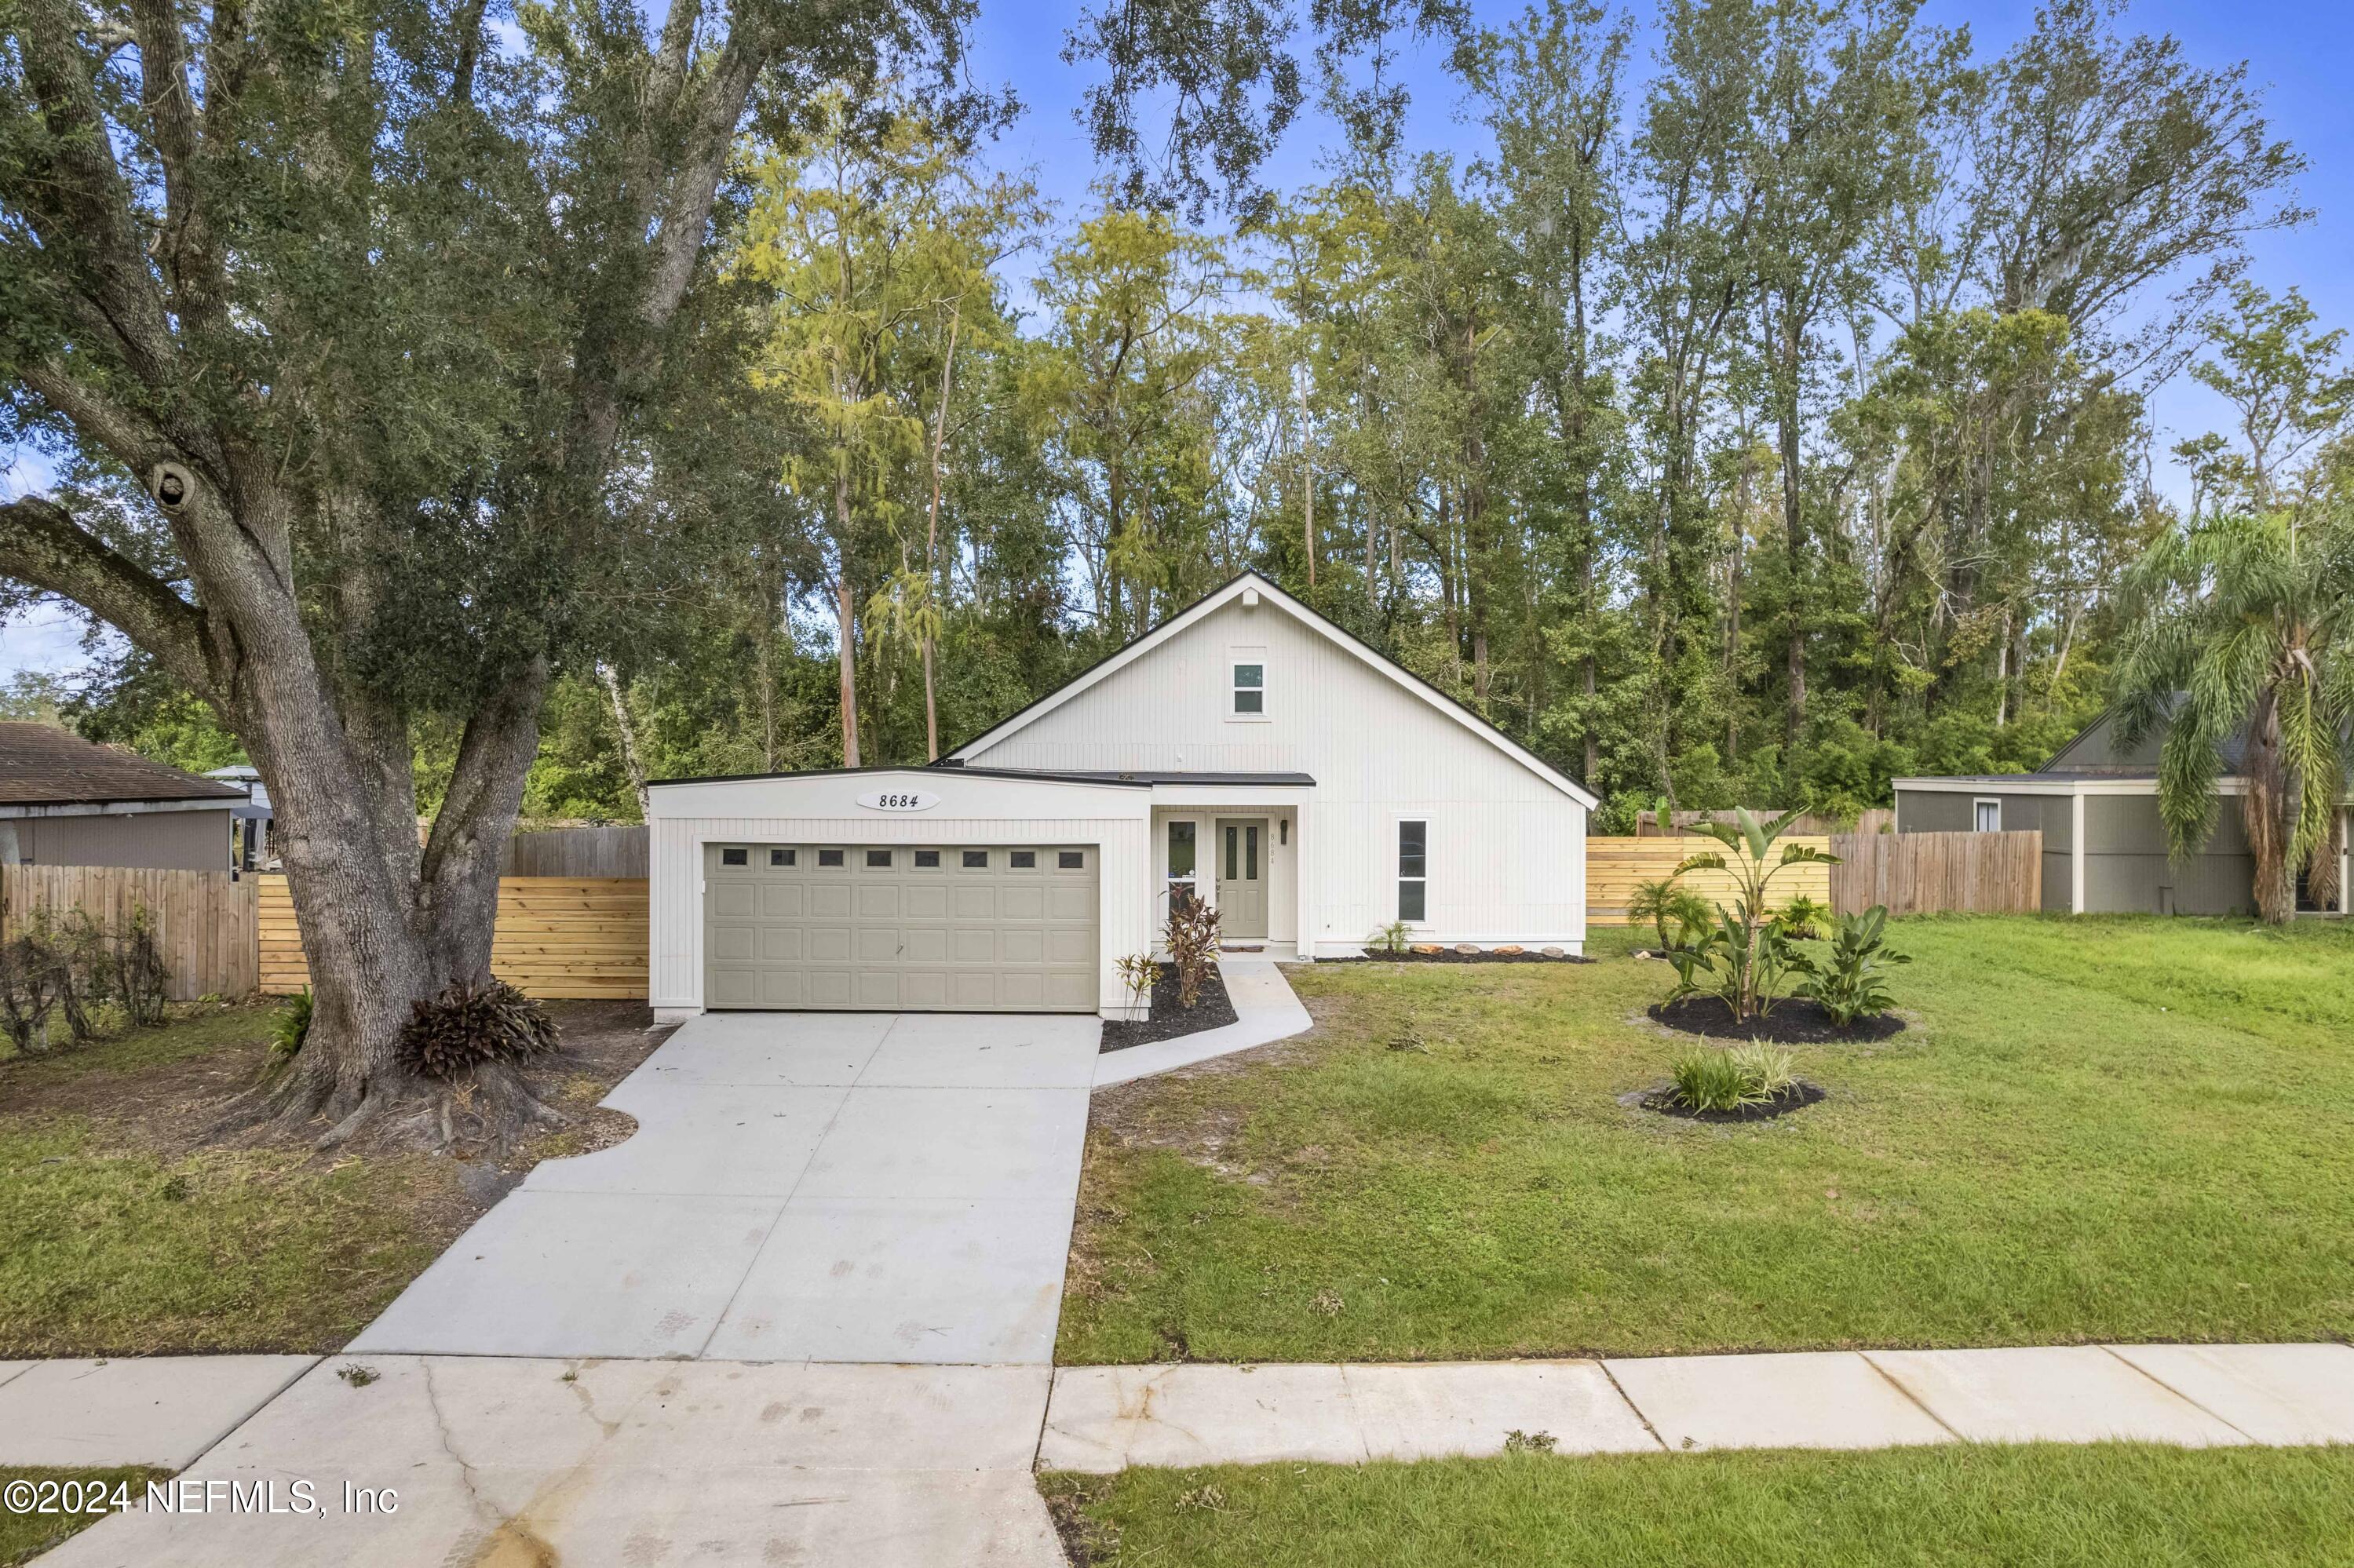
(163, 1411)
(1108, 1418)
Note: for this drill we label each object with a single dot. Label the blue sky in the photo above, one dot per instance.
(2296, 50)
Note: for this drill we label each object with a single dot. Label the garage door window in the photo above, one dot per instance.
(1071, 860)
(1025, 860)
(829, 857)
(734, 857)
(928, 860)
(880, 859)
(780, 857)
(976, 860)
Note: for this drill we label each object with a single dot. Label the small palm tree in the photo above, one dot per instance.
(2243, 628)
(1748, 942)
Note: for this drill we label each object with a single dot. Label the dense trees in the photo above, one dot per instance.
(1759, 415)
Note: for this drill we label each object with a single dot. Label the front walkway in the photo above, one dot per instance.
(1108, 1418)
(833, 1187)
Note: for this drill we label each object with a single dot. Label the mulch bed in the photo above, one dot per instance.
(1450, 956)
(1795, 1021)
(1798, 1097)
(1214, 1009)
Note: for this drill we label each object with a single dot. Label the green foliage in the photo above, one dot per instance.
(1718, 1079)
(290, 1025)
(1393, 939)
(1666, 903)
(1851, 983)
(1744, 957)
(1138, 972)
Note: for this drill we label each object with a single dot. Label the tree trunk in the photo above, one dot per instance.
(932, 540)
(845, 623)
(627, 731)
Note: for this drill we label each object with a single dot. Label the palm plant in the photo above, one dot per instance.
(1743, 959)
(2243, 627)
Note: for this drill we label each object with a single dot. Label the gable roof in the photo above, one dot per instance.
(1217, 600)
(41, 764)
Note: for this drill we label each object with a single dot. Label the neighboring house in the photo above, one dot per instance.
(2105, 846)
(67, 801)
(251, 850)
(1247, 750)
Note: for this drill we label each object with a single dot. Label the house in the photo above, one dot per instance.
(251, 852)
(65, 800)
(1247, 751)
(2105, 846)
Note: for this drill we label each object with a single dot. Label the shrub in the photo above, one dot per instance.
(28, 986)
(1393, 939)
(1136, 973)
(1667, 902)
(1714, 1080)
(290, 1026)
(468, 1026)
(1192, 939)
(1801, 919)
(1744, 954)
(1850, 983)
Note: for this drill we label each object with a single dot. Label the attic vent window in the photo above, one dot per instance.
(1251, 688)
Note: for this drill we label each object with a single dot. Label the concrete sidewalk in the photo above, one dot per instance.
(1108, 1418)
(138, 1410)
(501, 1462)
(1266, 1011)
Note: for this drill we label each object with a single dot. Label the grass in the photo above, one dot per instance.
(2121, 1504)
(2095, 1130)
(24, 1536)
(121, 1235)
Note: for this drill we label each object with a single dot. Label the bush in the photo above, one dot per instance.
(1393, 939)
(290, 1026)
(1667, 902)
(1801, 919)
(1849, 984)
(1192, 939)
(1712, 1080)
(469, 1026)
(1137, 974)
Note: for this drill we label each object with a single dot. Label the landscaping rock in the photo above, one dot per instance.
(1507, 949)
(1467, 949)
(1426, 947)
(1551, 952)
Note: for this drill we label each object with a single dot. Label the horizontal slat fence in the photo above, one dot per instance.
(1938, 873)
(1615, 867)
(577, 852)
(557, 937)
(204, 920)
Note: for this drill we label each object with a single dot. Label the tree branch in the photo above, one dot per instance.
(41, 545)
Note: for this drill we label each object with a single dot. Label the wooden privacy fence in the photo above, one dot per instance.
(1615, 867)
(204, 920)
(557, 937)
(577, 852)
(1936, 873)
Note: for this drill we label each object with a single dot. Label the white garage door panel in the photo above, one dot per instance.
(988, 936)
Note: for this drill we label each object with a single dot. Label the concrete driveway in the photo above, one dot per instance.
(828, 1187)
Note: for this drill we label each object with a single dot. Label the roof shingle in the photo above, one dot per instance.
(44, 766)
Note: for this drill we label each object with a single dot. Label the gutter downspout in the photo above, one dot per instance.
(2076, 851)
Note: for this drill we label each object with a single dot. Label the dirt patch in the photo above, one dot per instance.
(1451, 956)
(1087, 1541)
(1794, 1020)
(1798, 1097)
(1213, 1008)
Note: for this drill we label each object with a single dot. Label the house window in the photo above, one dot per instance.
(1985, 815)
(734, 857)
(780, 857)
(976, 860)
(928, 860)
(1025, 860)
(829, 857)
(881, 858)
(1180, 859)
(1250, 689)
(1413, 841)
(1070, 860)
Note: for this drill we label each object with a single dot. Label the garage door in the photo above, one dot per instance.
(977, 928)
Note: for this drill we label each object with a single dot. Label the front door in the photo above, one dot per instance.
(1242, 877)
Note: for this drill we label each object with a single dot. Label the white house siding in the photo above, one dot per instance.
(1507, 848)
(822, 808)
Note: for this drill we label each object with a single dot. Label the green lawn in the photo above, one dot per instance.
(25, 1535)
(121, 1235)
(2096, 1129)
(2110, 1504)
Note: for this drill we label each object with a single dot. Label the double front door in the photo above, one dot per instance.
(1240, 845)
